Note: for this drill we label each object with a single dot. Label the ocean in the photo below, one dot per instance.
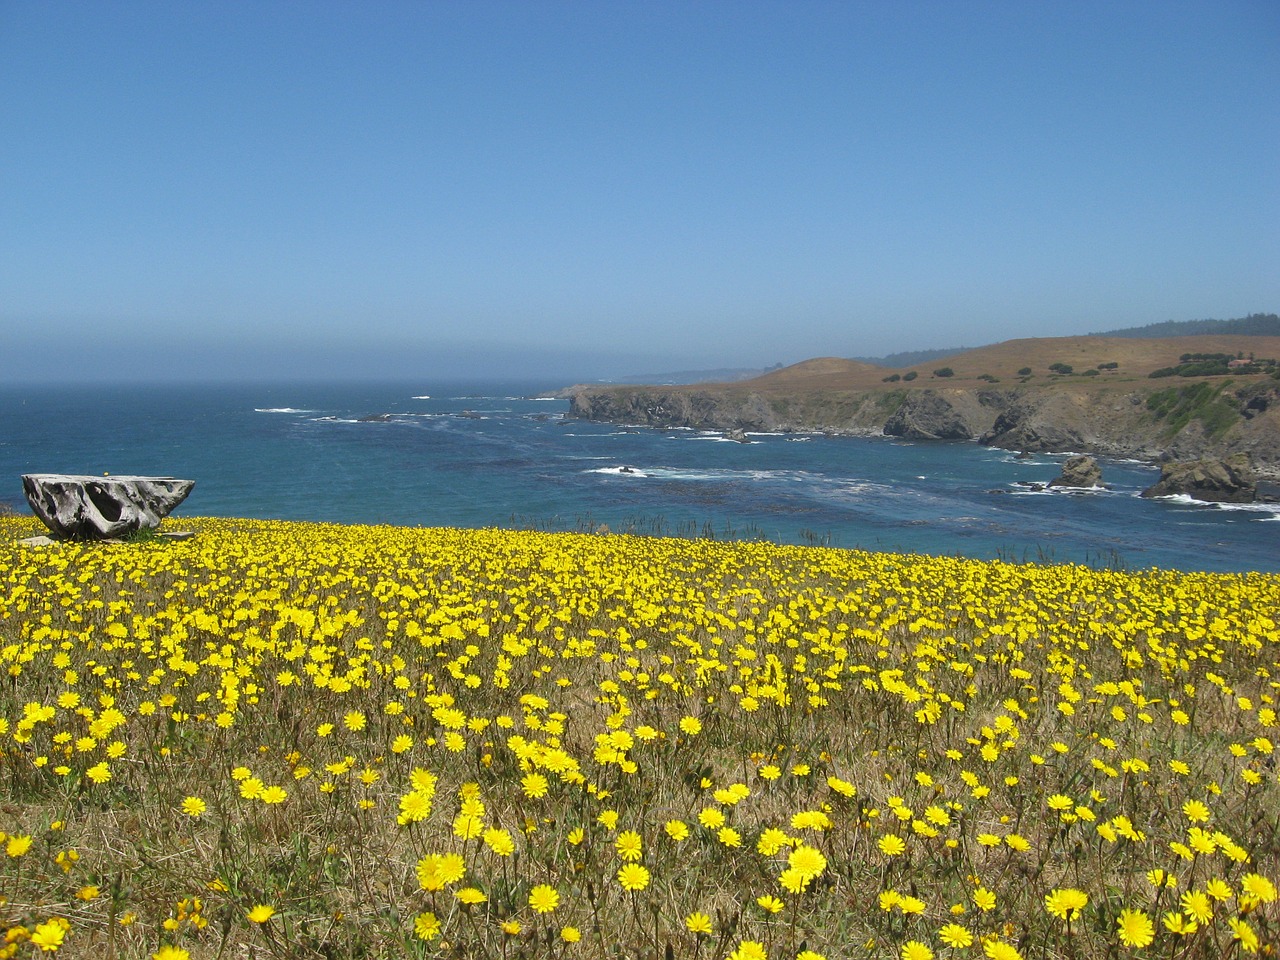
(494, 455)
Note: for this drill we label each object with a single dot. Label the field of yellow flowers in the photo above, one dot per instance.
(299, 740)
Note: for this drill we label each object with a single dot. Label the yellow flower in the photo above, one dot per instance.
(415, 807)
(956, 936)
(677, 830)
(690, 726)
(915, 950)
(17, 846)
(499, 841)
(48, 936)
(1066, 904)
(193, 806)
(984, 899)
(544, 898)
(169, 952)
(770, 904)
(426, 926)
(1258, 887)
(711, 818)
(1218, 888)
(793, 881)
(999, 950)
(1244, 934)
(1135, 928)
(771, 841)
(749, 950)
(570, 934)
(1195, 811)
(1179, 923)
(698, 923)
(633, 877)
(629, 845)
(261, 913)
(1197, 905)
(437, 870)
(534, 785)
(911, 905)
(891, 845)
(467, 828)
(807, 861)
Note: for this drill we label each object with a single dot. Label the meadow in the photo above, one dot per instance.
(302, 740)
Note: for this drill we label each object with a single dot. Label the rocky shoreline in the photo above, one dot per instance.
(1183, 423)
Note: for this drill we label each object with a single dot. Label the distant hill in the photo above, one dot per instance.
(1254, 325)
(722, 375)
(909, 358)
(1091, 360)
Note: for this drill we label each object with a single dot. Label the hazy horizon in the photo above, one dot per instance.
(576, 191)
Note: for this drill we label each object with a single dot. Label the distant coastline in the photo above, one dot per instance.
(1110, 396)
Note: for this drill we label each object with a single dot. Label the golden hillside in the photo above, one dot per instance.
(1136, 358)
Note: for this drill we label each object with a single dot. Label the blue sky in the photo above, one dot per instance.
(337, 190)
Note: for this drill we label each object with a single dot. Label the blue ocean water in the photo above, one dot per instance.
(483, 455)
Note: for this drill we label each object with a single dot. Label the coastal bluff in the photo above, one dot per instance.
(1093, 395)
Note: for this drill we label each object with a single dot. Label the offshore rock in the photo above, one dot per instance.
(1079, 471)
(1231, 480)
(100, 508)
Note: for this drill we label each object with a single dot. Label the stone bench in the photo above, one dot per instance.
(100, 508)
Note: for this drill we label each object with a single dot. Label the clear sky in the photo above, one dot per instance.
(589, 189)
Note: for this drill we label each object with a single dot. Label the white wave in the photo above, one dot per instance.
(423, 397)
(1019, 491)
(620, 471)
(280, 410)
(1270, 508)
(333, 420)
(1024, 461)
(1186, 500)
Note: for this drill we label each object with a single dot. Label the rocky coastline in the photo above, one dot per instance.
(1160, 424)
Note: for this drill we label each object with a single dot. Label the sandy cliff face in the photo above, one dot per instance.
(1184, 420)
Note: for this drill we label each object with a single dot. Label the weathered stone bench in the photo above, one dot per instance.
(101, 508)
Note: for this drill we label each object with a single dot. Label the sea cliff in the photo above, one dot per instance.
(1108, 414)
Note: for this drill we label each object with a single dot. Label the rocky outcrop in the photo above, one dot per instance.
(928, 416)
(99, 508)
(1080, 471)
(1230, 480)
(1024, 426)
